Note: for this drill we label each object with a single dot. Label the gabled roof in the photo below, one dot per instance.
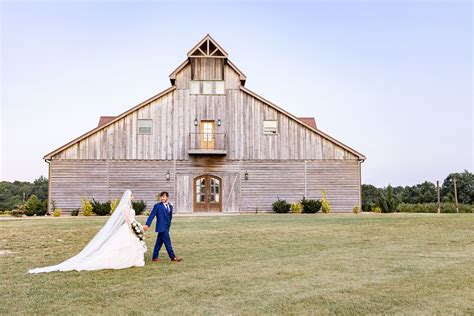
(105, 119)
(310, 121)
(207, 47)
(98, 128)
(317, 131)
(207, 43)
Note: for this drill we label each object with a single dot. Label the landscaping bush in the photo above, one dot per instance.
(281, 206)
(376, 209)
(433, 208)
(57, 212)
(296, 208)
(17, 213)
(86, 207)
(325, 206)
(311, 206)
(43, 209)
(113, 205)
(100, 208)
(139, 206)
(75, 212)
(32, 205)
(356, 209)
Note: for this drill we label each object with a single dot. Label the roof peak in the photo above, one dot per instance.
(207, 47)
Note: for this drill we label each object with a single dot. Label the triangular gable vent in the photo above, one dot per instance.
(209, 48)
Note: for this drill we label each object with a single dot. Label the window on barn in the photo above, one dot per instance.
(219, 89)
(144, 126)
(270, 127)
(207, 87)
(195, 87)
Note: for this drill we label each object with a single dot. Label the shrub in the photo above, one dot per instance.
(113, 205)
(310, 206)
(147, 212)
(57, 212)
(86, 207)
(281, 206)
(433, 208)
(296, 208)
(17, 213)
(101, 208)
(388, 202)
(356, 209)
(75, 212)
(32, 205)
(376, 209)
(43, 209)
(325, 206)
(139, 206)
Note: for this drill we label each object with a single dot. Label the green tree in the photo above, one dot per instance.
(388, 201)
(370, 197)
(464, 185)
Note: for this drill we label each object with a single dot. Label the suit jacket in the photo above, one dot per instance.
(163, 217)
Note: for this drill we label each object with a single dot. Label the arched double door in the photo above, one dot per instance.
(207, 193)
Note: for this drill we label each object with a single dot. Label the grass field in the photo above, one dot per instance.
(263, 264)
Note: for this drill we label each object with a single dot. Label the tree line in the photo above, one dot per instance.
(420, 193)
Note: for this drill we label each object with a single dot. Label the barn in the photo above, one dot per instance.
(212, 143)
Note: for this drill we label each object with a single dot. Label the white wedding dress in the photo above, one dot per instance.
(115, 246)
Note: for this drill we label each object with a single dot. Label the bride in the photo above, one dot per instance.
(114, 247)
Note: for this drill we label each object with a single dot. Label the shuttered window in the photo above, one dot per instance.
(270, 127)
(144, 126)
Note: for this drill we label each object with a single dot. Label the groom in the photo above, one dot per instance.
(164, 213)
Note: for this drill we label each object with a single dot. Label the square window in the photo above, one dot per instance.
(220, 89)
(270, 127)
(207, 87)
(144, 126)
(195, 87)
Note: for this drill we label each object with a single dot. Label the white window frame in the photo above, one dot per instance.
(150, 121)
(270, 127)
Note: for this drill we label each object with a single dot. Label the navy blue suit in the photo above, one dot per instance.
(163, 224)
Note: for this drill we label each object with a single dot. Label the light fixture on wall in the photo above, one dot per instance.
(219, 122)
(196, 122)
(246, 175)
(168, 176)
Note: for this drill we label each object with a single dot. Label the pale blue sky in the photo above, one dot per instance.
(393, 79)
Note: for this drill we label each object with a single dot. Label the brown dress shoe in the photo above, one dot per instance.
(177, 259)
(156, 260)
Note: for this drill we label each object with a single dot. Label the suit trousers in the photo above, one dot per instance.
(163, 238)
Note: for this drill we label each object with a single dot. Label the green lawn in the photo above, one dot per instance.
(264, 264)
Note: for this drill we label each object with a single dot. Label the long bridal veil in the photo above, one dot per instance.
(111, 226)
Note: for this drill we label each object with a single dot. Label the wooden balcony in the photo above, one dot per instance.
(201, 144)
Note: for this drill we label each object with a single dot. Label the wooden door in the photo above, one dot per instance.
(207, 194)
(207, 134)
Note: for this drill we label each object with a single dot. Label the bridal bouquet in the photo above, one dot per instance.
(138, 229)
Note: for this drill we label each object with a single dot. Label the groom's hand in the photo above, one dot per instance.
(145, 228)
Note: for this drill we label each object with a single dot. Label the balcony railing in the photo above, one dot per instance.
(207, 144)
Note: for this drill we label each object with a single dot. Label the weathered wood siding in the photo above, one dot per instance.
(173, 116)
(207, 68)
(291, 180)
(103, 180)
(71, 180)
